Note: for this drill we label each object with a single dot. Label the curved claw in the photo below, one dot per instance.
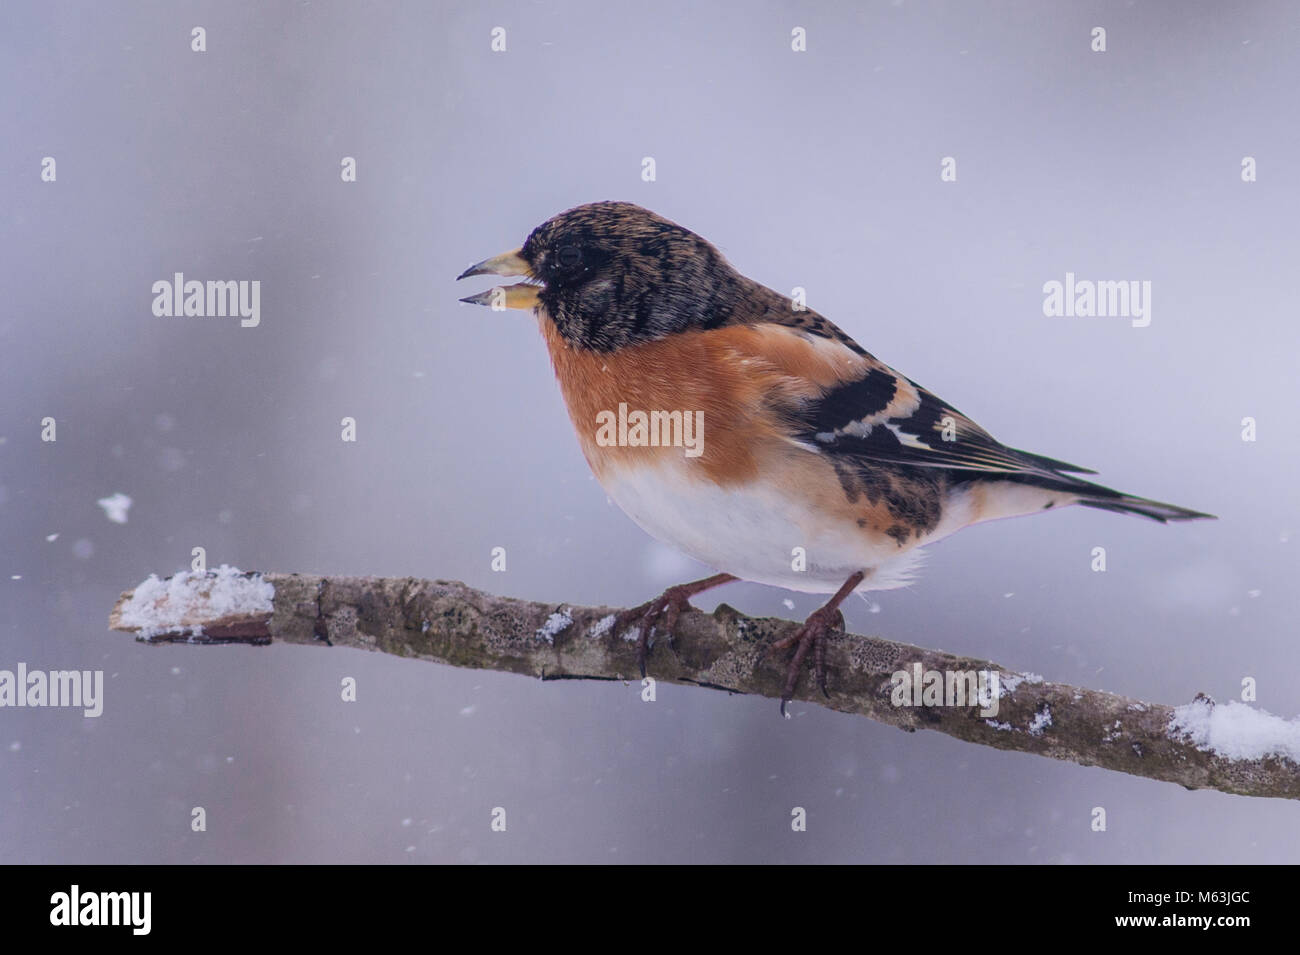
(811, 636)
(645, 616)
(669, 605)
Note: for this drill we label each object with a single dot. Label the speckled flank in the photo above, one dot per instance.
(912, 497)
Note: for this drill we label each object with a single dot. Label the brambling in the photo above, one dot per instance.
(752, 433)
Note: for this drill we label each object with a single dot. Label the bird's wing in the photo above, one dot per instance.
(849, 403)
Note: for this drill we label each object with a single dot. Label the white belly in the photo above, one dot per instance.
(753, 532)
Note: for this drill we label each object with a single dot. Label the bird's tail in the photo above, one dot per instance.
(1104, 499)
(1059, 476)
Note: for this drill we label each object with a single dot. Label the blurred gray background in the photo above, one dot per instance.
(816, 169)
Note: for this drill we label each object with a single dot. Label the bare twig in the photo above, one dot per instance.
(449, 622)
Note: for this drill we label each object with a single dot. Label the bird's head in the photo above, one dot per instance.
(610, 274)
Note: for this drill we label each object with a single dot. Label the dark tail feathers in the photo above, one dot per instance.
(1056, 476)
(1156, 510)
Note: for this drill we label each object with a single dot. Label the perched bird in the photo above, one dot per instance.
(746, 430)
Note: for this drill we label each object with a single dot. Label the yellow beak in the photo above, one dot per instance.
(507, 263)
(520, 296)
(502, 297)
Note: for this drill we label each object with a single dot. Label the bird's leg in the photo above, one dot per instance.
(812, 636)
(668, 604)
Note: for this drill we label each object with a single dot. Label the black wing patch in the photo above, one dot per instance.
(852, 419)
(852, 402)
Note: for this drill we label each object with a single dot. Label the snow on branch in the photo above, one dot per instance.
(1231, 747)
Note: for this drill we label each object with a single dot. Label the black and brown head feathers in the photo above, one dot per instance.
(615, 274)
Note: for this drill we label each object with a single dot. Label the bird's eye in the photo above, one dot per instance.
(569, 256)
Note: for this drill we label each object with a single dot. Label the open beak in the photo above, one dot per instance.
(522, 295)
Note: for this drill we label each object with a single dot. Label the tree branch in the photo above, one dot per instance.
(449, 622)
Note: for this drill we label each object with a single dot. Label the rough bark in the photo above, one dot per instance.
(449, 622)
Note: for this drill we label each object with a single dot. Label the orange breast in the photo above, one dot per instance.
(736, 378)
